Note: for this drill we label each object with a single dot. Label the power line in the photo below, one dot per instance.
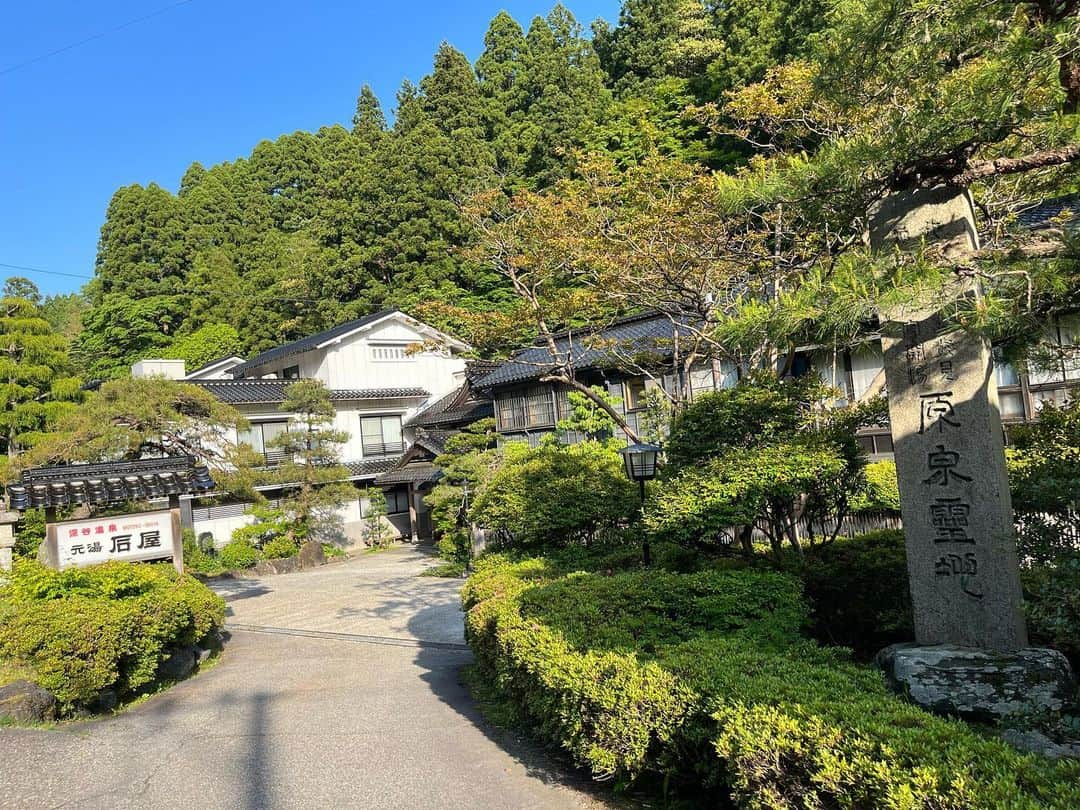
(182, 293)
(43, 270)
(121, 27)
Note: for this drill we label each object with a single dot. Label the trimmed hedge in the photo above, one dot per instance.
(735, 702)
(109, 626)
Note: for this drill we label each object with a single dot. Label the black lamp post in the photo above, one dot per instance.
(640, 461)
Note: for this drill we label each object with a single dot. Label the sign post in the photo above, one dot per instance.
(137, 537)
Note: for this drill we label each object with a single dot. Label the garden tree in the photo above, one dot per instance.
(661, 235)
(37, 383)
(898, 99)
(128, 419)
(376, 532)
(317, 482)
(763, 454)
(210, 342)
(555, 494)
(469, 458)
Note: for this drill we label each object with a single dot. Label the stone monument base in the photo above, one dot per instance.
(979, 684)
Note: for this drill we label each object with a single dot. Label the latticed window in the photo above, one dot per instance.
(529, 408)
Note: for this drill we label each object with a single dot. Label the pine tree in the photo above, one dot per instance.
(37, 385)
(369, 123)
(319, 481)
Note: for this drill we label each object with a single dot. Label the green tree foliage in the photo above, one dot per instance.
(210, 342)
(469, 460)
(556, 495)
(317, 484)
(37, 383)
(764, 453)
(133, 418)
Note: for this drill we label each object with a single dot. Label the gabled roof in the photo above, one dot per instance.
(230, 361)
(258, 392)
(647, 333)
(1040, 216)
(338, 333)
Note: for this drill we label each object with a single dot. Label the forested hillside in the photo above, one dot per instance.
(313, 228)
(699, 157)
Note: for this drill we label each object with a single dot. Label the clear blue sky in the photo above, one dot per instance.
(205, 80)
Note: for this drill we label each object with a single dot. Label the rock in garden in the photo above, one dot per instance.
(311, 554)
(285, 565)
(24, 702)
(979, 684)
(179, 664)
(1038, 743)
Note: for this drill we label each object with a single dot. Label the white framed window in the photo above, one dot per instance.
(381, 435)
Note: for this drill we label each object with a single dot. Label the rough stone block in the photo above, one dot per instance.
(312, 555)
(24, 702)
(979, 684)
(179, 664)
(285, 565)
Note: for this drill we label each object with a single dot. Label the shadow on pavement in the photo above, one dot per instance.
(443, 675)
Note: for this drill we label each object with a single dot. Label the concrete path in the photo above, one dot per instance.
(338, 688)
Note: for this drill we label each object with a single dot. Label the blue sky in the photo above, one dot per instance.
(205, 80)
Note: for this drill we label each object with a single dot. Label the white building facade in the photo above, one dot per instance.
(381, 370)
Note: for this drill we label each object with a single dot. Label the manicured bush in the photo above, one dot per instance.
(85, 630)
(1052, 601)
(736, 702)
(238, 554)
(556, 495)
(280, 547)
(858, 590)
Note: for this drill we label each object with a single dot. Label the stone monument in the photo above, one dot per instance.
(971, 652)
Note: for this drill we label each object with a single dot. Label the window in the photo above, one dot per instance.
(381, 435)
(397, 502)
(531, 408)
(261, 436)
(635, 394)
(383, 353)
(291, 373)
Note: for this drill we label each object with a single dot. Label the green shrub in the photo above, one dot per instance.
(881, 492)
(732, 699)
(1052, 602)
(556, 495)
(333, 551)
(85, 630)
(858, 589)
(238, 554)
(280, 547)
(199, 559)
(29, 532)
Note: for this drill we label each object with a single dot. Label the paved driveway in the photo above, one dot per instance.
(338, 688)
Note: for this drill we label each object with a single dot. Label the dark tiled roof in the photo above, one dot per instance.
(641, 334)
(310, 342)
(459, 407)
(1040, 216)
(419, 472)
(369, 467)
(434, 441)
(253, 392)
(109, 483)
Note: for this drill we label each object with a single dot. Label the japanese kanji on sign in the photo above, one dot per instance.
(141, 536)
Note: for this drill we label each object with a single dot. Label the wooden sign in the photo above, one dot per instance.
(138, 537)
